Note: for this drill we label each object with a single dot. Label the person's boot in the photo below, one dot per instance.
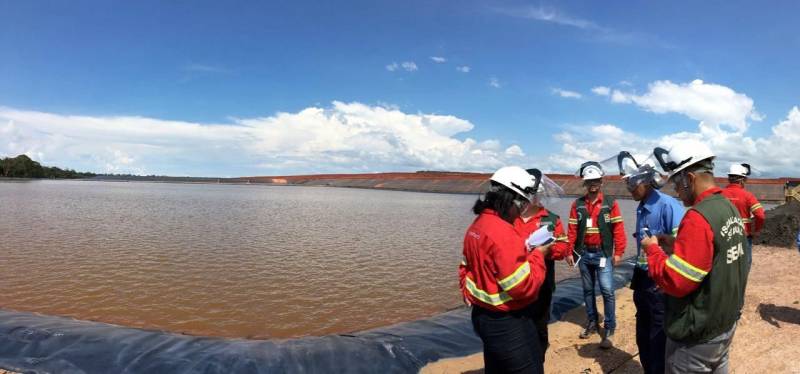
(608, 340)
(591, 328)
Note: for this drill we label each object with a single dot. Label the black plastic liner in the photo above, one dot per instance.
(33, 343)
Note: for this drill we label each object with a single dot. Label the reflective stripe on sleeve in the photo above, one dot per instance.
(746, 220)
(516, 277)
(615, 219)
(562, 238)
(685, 269)
(491, 299)
(573, 221)
(755, 207)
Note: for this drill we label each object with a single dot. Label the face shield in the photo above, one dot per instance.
(634, 172)
(547, 190)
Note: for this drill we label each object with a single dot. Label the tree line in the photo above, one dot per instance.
(23, 167)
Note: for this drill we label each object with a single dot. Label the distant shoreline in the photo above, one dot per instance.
(766, 190)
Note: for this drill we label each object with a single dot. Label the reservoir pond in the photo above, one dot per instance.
(249, 261)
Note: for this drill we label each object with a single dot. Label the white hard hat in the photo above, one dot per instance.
(741, 170)
(517, 180)
(591, 170)
(682, 155)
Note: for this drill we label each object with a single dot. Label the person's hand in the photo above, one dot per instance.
(466, 301)
(648, 240)
(615, 260)
(666, 242)
(545, 249)
(570, 260)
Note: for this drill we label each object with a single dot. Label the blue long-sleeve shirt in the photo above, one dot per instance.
(798, 240)
(661, 214)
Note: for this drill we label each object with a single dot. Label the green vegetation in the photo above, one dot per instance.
(23, 167)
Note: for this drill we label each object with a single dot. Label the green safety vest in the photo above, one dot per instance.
(606, 235)
(716, 304)
(550, 275)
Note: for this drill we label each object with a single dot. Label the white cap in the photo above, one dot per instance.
(517, 180)
(591, 170)
(682, 155)
(741, 170)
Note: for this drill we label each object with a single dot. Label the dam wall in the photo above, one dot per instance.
(766, 190)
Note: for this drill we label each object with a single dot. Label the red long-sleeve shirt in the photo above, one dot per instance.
(680, 274)
(748, 206)
(498, 273)
(592, 237)
(525, 227)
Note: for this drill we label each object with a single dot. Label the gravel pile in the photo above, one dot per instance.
(781, 226)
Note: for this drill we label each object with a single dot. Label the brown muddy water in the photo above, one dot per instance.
(233, 260)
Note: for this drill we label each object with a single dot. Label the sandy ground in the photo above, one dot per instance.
(766, 339)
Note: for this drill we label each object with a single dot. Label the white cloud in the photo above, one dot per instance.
(566, 93)
(463, 69)
(438, 60)
(601, 90)
(789, 129)
(620, 98)
(551, 15)
(710, 103)
(602, 142)
(408, 66)
(344, 137)
(514, 151)
(494, 82)
(591, 29)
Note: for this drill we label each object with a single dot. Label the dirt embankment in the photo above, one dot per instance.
(767, 190)
(781, 226)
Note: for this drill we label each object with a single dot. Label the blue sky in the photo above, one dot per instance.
(196, 87)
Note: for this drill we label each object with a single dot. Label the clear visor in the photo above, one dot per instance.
(635, 169)
(549, 191)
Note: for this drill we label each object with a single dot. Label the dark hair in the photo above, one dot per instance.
(500, 199)
(736, 178)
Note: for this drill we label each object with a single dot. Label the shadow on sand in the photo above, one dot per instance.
(773, 314)
(609, 359)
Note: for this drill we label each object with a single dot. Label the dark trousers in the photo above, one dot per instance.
(650, 336)
(540, 310)
(510, 341)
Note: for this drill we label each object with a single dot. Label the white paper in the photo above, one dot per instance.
(589, 222)
(540, 237)
(602, 261)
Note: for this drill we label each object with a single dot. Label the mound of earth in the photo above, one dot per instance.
(781, 226)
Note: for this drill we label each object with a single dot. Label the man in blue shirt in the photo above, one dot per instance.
(798, 240)
(661, 214)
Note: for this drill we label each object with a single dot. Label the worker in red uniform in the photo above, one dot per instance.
(749, 208)
(703, 273)
(501, 276)
(597, 233)
(532, 219)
